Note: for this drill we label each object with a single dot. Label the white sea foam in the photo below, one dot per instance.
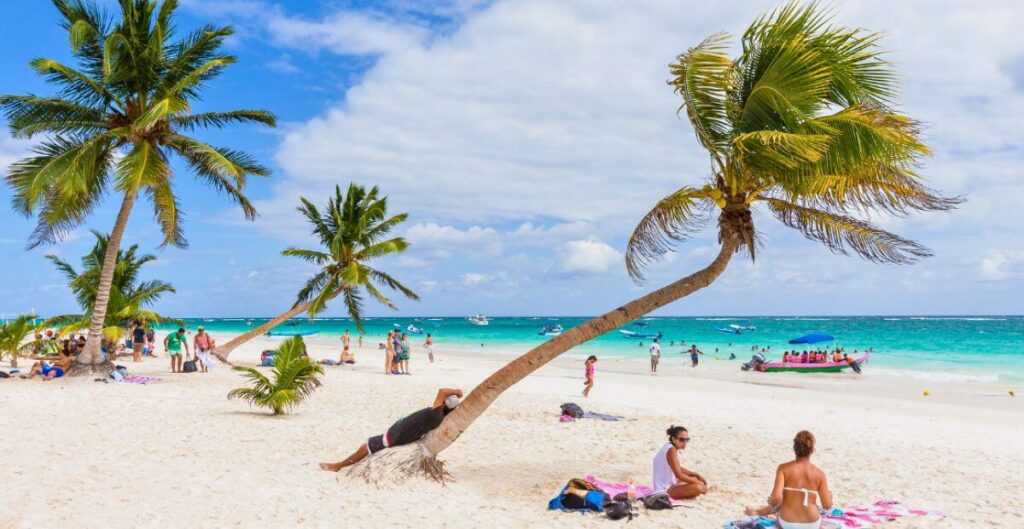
(715, 319)
(938, 376)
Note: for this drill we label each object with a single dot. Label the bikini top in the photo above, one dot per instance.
(805, 491)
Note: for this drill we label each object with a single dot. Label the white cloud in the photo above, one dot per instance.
(473, 279)
(11, 150)
(1001, 265)
(347, 33)
(588, 256)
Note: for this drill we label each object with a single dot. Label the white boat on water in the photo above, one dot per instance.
(479, 319)
(551, 330)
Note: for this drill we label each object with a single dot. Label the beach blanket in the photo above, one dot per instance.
(140, 380)
(613, 489)
(852, 517)
(601, 416)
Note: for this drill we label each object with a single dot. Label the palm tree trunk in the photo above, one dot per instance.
(91, 353)
(482, 396)
(223, 351)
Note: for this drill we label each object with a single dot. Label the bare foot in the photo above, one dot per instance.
(330, 467)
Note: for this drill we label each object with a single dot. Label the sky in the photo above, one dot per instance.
(525, 138)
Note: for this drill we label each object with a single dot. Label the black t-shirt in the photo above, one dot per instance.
(410, 428)
(139, 335)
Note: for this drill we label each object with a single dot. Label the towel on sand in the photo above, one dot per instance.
(612, 489)
(852, 517)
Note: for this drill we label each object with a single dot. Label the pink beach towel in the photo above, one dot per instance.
(615, 488)
(854, 516)
(140, 380)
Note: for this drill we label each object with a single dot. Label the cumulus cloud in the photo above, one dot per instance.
(1001, 265)
(346, 33)
(475, 278)
(588, 256)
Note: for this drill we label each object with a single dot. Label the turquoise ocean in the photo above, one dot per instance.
(954, 348)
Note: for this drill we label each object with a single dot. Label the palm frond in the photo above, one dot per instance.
(703, 77)
(840, 233)
(671, 221)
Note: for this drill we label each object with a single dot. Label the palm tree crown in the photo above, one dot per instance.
(130, 298)
(802, 122)
(119, 117)
(353, 229)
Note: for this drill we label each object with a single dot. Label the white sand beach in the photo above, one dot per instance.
(178, 454)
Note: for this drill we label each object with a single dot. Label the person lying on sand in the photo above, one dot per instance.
(48, 370)
(802, 481)
(669, 476)
(408, 429)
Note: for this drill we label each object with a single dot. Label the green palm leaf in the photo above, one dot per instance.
(293, 379)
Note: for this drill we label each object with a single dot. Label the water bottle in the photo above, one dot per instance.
(631, 492)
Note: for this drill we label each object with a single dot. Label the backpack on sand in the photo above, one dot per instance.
(189, 366)
(657, 501)
(572, 410)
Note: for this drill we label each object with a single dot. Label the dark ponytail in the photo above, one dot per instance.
(674, 431)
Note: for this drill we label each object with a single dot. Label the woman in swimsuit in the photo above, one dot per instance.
(796, 483)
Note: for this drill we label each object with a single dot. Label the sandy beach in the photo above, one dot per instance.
(178, 454)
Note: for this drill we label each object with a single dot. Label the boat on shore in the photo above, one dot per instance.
(826, 367)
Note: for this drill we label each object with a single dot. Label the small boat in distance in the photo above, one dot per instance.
(632, 334)
(414, 329)
(479, 319)
(732, 329)
(551, 330)
(640, 324)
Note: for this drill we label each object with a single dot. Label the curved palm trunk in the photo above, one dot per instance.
(91, 353)
(489, 390)
(223, 351)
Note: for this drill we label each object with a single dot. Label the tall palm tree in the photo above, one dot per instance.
(115, 124)
(353, 231)
(802, 122)
(130, 299)
(17, 337)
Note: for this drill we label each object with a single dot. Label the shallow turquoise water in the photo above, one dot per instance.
(969, 348)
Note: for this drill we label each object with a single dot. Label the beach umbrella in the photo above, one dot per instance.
(812, 338)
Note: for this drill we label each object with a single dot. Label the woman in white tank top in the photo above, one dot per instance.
(669, 475)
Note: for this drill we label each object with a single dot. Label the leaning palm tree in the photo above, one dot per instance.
(130, 299)
(17, 336)
(801, 122)
(115, 123)
(353, 230)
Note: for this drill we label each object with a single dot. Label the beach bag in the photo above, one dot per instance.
(617, 510)
(579, 495)
(572, 410)
(189, 367)
(657, 501)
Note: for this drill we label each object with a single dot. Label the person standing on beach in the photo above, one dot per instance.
(655, 356)
(389, 353)
(360, 340)
(204, 345)
(151, 340)
(428, 344)
(172, 346)
(693, 354)
(346, 340)
(138, 340)
(588, 372)
(404, 352)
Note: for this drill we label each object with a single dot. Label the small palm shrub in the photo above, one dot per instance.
(292, 380)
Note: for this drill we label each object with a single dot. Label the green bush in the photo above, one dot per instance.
(293, 379)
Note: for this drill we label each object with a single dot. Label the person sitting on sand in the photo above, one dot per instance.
(795, 483)
(49, 370)
(408, 429)
(347, 357)
(669, 476)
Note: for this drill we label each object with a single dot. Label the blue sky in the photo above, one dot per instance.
(525, 138)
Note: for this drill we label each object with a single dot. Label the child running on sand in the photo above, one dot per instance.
(588, 372)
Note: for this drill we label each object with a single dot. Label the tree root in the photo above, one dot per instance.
(394, 466)
(78, 370)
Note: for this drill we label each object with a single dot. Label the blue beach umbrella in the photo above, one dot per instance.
(812, 338)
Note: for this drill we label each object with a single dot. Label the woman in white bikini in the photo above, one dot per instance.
(796, 483)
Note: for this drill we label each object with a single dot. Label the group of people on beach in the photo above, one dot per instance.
(398, 350)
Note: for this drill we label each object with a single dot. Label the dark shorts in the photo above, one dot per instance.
(377, 443)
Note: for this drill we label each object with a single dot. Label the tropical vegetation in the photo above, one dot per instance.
(292, 380)
(800, 123)
(353, 230)
(18, 336)
(131, 299)
(117, 120)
